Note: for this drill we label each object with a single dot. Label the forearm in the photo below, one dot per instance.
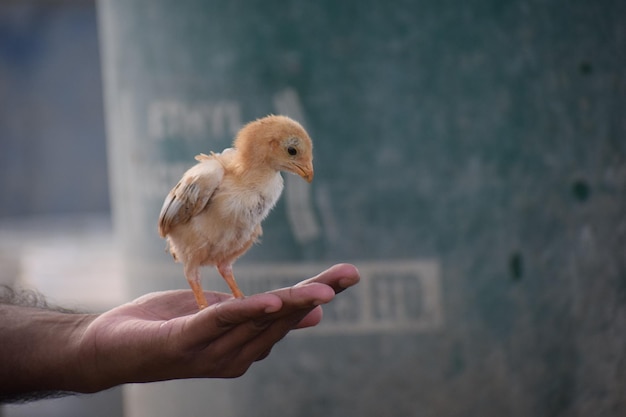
(40, 350)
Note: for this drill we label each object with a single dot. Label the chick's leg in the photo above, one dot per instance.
(192, 273)
(226, 271)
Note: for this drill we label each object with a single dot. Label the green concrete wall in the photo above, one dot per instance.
(470, 158)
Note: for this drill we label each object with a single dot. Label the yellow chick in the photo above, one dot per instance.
(214, 214)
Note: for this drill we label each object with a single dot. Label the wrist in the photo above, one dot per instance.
(42, 350)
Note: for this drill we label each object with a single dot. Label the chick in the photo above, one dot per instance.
(214, 214)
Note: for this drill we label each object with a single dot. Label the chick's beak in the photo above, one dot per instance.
(305, 171)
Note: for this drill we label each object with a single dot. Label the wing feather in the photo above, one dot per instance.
(191, 195)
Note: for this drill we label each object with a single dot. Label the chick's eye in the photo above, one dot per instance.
(292, 151)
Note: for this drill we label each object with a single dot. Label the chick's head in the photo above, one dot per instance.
(280, 143)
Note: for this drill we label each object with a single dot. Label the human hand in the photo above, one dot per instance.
(163, 336)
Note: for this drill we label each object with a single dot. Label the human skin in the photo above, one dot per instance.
(159, 336)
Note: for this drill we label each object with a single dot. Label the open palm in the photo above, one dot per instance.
(162, 335)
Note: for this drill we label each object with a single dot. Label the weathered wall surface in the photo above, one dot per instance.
(470, 157)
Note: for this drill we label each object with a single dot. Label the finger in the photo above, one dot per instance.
(300, 309)
(241, 337)
(264, 355)
(296, 303)
(218, 319)
(240, 310)
(302, 296)
(338, 277)
(259, 347)
(313, 318)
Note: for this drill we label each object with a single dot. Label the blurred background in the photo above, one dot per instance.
(470, 160)
(55, 225)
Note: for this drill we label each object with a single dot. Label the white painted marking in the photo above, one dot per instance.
(392, 297)
(329, 221)
(174, 118)
(300, 212)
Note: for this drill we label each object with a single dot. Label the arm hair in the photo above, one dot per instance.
(29, 298)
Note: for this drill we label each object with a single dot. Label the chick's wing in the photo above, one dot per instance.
(191, 195)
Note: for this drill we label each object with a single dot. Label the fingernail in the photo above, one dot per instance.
(349, 281)
(346, 282)
(271, 309)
